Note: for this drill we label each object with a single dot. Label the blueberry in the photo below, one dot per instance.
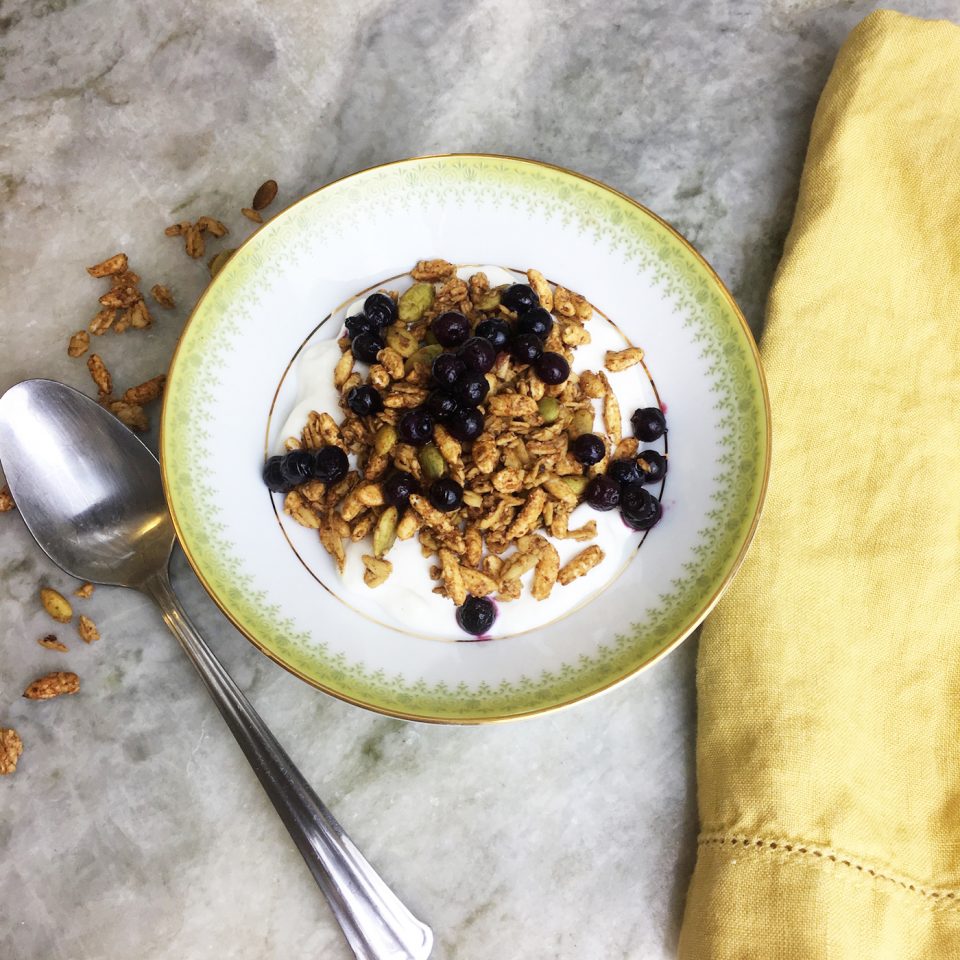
(273, 475)
(649, 423)
(366, 346)
(451, 329)
(478, 354)
(639, 508)
(588, 449)
(445, 494)
(526, 348)
(552, 368)
(624, 470)
(537, 321)
(477, 615)
(652, 466)
(415, 426)
(603, 493)
(467, 424)
(442, 405)
(519, 298)
(360, 323)
(380, 309)
(330, 465)
(398, 487)
(364, 400)
(496, 331)
(471, 389)
(447, 369)
(297, 466)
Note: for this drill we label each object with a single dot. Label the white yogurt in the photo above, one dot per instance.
(406, 600)
(315, 389)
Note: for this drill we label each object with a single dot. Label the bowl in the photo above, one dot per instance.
(235, 378)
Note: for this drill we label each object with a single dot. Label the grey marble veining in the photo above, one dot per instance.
(133, 827)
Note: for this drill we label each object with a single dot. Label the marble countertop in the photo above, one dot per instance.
(133, 827)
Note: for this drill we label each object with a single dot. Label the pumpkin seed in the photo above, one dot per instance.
(385, 534)
(265, 195)
(576, 484)
(431, 462)
(56, 605)
(425, 355)
(581, 422)
(489, 301)
(415, 302)
(404, 342)
(385, 439)
(549, 409)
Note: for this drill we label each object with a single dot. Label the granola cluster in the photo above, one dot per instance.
(193, 234)
(519, 478)
(123, 306)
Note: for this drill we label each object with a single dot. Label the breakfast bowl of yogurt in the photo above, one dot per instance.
(465, 439)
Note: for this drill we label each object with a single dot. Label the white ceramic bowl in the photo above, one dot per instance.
(228, 393)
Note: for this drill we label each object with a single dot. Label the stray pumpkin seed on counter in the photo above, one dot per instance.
(471, 431)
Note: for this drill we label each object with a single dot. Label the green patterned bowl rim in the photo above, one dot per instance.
(727, 538)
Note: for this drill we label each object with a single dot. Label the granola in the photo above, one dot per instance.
(51, 642)
(79, 344)
(484, 489)
(87, 629)
(123, 306)
(163, 296)
(11, 746)
(192, 233)
(129, 408)
(52, 685)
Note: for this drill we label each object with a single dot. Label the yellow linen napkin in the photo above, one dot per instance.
(829, 678)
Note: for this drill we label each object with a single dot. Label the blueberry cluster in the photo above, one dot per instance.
(365, 329)
(624, 483)
(282, 474)
(532, 327)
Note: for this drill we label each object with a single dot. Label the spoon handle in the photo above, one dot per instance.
(376, 924)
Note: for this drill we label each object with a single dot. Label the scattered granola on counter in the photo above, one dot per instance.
(122, 306)
(192, 233)
(11, 747)
(128, 408)
(79, 344)
(52, 643)
(163, 296)
(52, 685)
(87, 629)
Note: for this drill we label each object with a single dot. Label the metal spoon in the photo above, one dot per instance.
(89, 491)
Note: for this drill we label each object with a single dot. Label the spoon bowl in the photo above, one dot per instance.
(87, 488)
